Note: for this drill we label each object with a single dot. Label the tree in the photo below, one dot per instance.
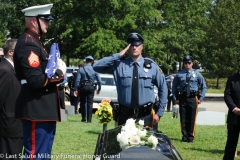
(183, 29)
(99, 28)
(222, 40)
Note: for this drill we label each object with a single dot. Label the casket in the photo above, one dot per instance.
(107, 147)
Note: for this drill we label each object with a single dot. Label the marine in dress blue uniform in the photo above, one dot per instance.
(85, 87)
(37, 104)
(189, 82)
(148, 76)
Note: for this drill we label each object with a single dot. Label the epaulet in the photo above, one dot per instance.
(148, 63)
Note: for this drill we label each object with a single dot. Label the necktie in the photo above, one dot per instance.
(187, 83)
(135, 86)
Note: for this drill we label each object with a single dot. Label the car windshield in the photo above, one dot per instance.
(107, 81)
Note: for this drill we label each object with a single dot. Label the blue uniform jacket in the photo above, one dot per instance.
(81, 76)
(196, 81)
(122, 69)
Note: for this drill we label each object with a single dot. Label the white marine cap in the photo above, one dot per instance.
(41, 11)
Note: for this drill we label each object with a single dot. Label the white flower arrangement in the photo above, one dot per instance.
(133, 134)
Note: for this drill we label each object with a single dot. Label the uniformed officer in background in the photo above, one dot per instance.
(135, 78)
(37, 104)
(190, 81)
(85, 87)
(73, 100)
(61, 91)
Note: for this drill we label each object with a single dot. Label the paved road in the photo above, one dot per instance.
(216, 104)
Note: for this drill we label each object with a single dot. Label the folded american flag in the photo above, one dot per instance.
(54, 55)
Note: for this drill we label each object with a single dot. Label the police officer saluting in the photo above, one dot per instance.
(135, 78)
(189, 81)
(84, 87)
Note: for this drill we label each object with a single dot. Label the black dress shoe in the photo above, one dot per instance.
(83, 120)
(190, 141)
(184, 139)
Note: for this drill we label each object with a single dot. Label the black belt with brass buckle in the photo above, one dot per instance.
(140, 112)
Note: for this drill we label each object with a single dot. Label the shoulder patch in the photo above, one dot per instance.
(33, 59)
(147, 63)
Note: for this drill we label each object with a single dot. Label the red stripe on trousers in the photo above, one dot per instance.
(33, 140)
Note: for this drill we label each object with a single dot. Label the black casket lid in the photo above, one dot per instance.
(140, 153)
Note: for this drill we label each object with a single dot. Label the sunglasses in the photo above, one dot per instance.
(187, 62)
(46, 20)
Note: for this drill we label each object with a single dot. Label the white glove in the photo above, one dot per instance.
(62, 66)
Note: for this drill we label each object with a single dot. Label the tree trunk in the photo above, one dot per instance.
(217, 86)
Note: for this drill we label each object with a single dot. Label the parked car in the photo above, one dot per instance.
(109, 90)
(69, 71)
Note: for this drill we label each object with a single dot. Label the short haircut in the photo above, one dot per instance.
(9, 45)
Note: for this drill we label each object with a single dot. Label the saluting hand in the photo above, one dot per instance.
(125, 50)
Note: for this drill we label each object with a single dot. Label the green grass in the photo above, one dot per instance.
(75, 138)
(215, 91)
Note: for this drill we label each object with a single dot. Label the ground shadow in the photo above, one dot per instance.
(214, 151)
(93, 132)
(71, 120)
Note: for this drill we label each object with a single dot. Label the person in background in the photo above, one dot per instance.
(135, 78)
(73, 100)
(170, 95)
(11, 138)
(86, 107)
(61, 91)
(37, 104)
(80, 66)
(85, 87)
(232, 100)
(190, 81)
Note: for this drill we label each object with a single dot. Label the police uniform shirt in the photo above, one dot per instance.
(148, 77)
(196, 80)
(82, 76)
